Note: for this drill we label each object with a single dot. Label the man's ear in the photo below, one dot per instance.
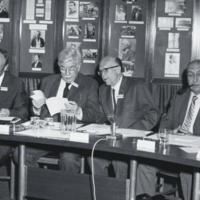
(118, 69)
(6, 68)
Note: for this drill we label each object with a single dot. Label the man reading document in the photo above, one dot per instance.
(82, 95)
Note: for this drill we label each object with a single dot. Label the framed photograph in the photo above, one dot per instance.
(89, 54)
(120, 12)
(73, 30)
(4, 8)
(1, 31)
(90, 30)
(165, 22)
(89, 9)
(74, 45)
(127, 49)
(172, 64)
(128, 68)
(175, 6)
(72, 9)
(173, 40)
(136, 13)
(36, 64)
(128, 31)
(37, 39)
(183, 23)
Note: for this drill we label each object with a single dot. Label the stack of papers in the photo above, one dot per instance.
(8, 120)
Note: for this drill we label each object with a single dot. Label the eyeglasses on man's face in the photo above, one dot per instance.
(65, 70)
(105, 71)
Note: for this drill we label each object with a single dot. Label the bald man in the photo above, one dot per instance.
(132, 104)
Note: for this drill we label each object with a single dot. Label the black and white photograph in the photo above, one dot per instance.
(89, 54)
(136, 13)
(74, 45)
(72, 9)
(73, 30)
(128, 31)
(128, 68)
(183, 23)
(165, 22)
(1, 31)
(175, 6)
(4, 7)
(90, 31)
(173, 40)
(36, 62)
(172, 64)
(89, 9)
(127, 49)
(38, 39)
(120, 13)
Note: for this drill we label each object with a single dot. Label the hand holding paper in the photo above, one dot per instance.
(71, 106)
(38, 99)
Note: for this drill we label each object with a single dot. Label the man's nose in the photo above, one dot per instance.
(67, 72)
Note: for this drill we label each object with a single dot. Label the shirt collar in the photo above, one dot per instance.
(1, 78)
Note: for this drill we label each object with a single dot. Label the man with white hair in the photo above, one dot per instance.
(127, 53)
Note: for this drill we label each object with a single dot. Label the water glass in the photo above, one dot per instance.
(49, 124)
(34, 123)
(163, 136)
(63, 118)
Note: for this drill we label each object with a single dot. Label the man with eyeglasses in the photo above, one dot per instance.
(183, 117)
(133, 106)
(13, 99)
(82, 95)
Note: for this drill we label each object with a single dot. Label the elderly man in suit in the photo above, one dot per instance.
(37, 63)
(183, 116)
(82, 95)
(12, 98)
(132, 104)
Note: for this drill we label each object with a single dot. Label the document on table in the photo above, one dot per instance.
(4, 129)
(8, 120)
(101, 129)
(186, 140)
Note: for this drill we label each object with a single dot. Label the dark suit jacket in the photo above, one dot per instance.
(85, 95)
(39, 65)
(177, 112)
(42, 43)
(15, 98)
(136, 110)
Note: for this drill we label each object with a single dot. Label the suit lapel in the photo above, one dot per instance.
(184, 107)
(53, 88)
(5, 83)
(73, 88)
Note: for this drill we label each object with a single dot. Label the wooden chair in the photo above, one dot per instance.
(162, 175)
(11, 177)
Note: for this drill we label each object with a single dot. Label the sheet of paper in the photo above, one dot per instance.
(55, 104)
(37, 94)
(99, 129)
(4, 129)
(132, 132)
(190, 149)
(186, 140)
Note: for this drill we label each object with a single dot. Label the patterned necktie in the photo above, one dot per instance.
(66, 90)
(188, 119)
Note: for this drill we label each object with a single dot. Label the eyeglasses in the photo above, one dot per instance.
(105, 71)
(64, 70)
(192, 75)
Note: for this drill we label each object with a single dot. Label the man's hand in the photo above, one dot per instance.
(72, 106)
(4, 112)
(185, 132)
(38, 103)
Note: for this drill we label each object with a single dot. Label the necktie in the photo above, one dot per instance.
(114, 100)
(188, 119)
(66, 90)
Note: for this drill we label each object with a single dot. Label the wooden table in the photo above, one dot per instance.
(40, 183)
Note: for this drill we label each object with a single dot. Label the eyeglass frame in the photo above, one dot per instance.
(105, 70)
(68, 70)
(193, 75)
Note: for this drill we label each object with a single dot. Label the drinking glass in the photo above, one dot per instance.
(64, 120)
(163, 136)
(34, 123)
(49, 123)
(112, 119)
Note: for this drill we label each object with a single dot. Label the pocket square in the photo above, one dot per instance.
(120, 96)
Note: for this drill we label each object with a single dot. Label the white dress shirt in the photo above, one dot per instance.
(1, 78)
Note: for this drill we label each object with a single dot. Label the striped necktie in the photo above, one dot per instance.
(188, 119)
